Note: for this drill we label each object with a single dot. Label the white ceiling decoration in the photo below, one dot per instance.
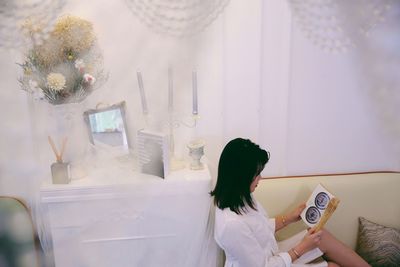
(339, 25)
(177, 17)
(27, 18)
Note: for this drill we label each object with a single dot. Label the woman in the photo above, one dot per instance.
(243, 229)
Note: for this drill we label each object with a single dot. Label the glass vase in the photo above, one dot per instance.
(59, 124)
(67, 123)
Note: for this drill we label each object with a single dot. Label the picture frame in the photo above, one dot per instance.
(153, 152)
(108, 125)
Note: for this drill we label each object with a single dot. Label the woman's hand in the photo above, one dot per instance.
(294, 216)
(310, 241)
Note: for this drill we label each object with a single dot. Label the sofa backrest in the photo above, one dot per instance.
(374, 196)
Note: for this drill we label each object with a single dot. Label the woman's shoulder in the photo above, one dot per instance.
(228, 222)
(244, 212)
(226, 218)
(225, 214)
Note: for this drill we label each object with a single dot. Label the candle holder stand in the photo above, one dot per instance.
(175, 162)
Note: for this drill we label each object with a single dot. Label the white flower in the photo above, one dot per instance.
(79, 64)
(89, 79)
(56, 81)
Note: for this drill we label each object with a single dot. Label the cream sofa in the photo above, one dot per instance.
(374, 196)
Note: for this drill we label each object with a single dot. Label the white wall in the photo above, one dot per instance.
(334, 123)
(321, 112)
(275, 82)
(258, 76)
(241, 65)
(16, 148)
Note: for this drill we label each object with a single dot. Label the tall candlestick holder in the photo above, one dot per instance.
(174, 123)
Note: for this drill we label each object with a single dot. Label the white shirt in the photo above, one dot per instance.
(248, 239)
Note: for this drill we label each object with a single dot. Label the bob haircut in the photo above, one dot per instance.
(240, 162)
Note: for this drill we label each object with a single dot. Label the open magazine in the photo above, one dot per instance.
(319, 207)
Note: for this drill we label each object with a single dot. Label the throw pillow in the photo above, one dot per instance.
(377, 244)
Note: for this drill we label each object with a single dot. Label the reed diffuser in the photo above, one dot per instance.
(60, 171)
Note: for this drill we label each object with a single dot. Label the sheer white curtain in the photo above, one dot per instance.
(259, 78)
(23, 176)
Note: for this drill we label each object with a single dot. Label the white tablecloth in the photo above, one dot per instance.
(121, 218)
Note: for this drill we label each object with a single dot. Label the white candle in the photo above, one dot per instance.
(170, 90)
(194, 87)
(142, 94)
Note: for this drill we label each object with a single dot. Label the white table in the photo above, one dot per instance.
(121, 218)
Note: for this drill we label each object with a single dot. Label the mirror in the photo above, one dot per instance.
(107, 126)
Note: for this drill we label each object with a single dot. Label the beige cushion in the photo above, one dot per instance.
(373, 196)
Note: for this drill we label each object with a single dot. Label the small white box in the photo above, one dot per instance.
(153, 152)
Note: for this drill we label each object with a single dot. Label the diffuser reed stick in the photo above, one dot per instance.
(54, 148)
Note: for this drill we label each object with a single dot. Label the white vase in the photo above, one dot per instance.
(59, 122)
(196, 151)
(67, 121)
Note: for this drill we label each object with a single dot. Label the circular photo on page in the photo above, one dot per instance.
(312, 215)
(322, 200)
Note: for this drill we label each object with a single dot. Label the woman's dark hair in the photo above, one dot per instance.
(240, 161)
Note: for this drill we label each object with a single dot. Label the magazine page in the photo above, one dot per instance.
(316, 205)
